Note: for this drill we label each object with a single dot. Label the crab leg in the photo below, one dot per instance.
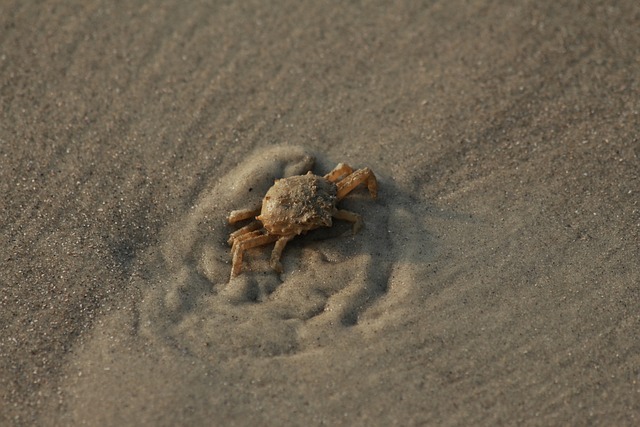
(360, 176)
(242, 245)
(241, 238)
(351, 217)
(277, 252)
(242, 214)
(342, 169)
(252, 226)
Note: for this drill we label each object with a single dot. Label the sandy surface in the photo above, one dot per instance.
(496, 280)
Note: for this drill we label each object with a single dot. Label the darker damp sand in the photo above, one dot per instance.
(505, 137)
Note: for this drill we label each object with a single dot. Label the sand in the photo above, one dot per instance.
(496, 280)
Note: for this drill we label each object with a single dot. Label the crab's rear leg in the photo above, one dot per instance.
(351, 217)
(242, 244)
(341, 170)
(364, 175)
(277, 252)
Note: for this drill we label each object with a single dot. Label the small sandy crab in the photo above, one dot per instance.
(295, 205)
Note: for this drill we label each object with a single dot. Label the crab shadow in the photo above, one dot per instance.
(332, 278)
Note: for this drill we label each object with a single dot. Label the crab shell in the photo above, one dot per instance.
(298, 204)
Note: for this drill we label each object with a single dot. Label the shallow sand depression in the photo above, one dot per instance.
(495, 280)
(330, 280)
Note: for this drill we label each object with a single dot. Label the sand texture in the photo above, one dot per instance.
(496, 279)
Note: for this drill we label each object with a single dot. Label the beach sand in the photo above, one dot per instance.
(496, 280)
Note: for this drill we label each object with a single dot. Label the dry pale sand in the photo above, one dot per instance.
(496, 280)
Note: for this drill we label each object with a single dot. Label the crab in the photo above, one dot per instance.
(294, 206)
